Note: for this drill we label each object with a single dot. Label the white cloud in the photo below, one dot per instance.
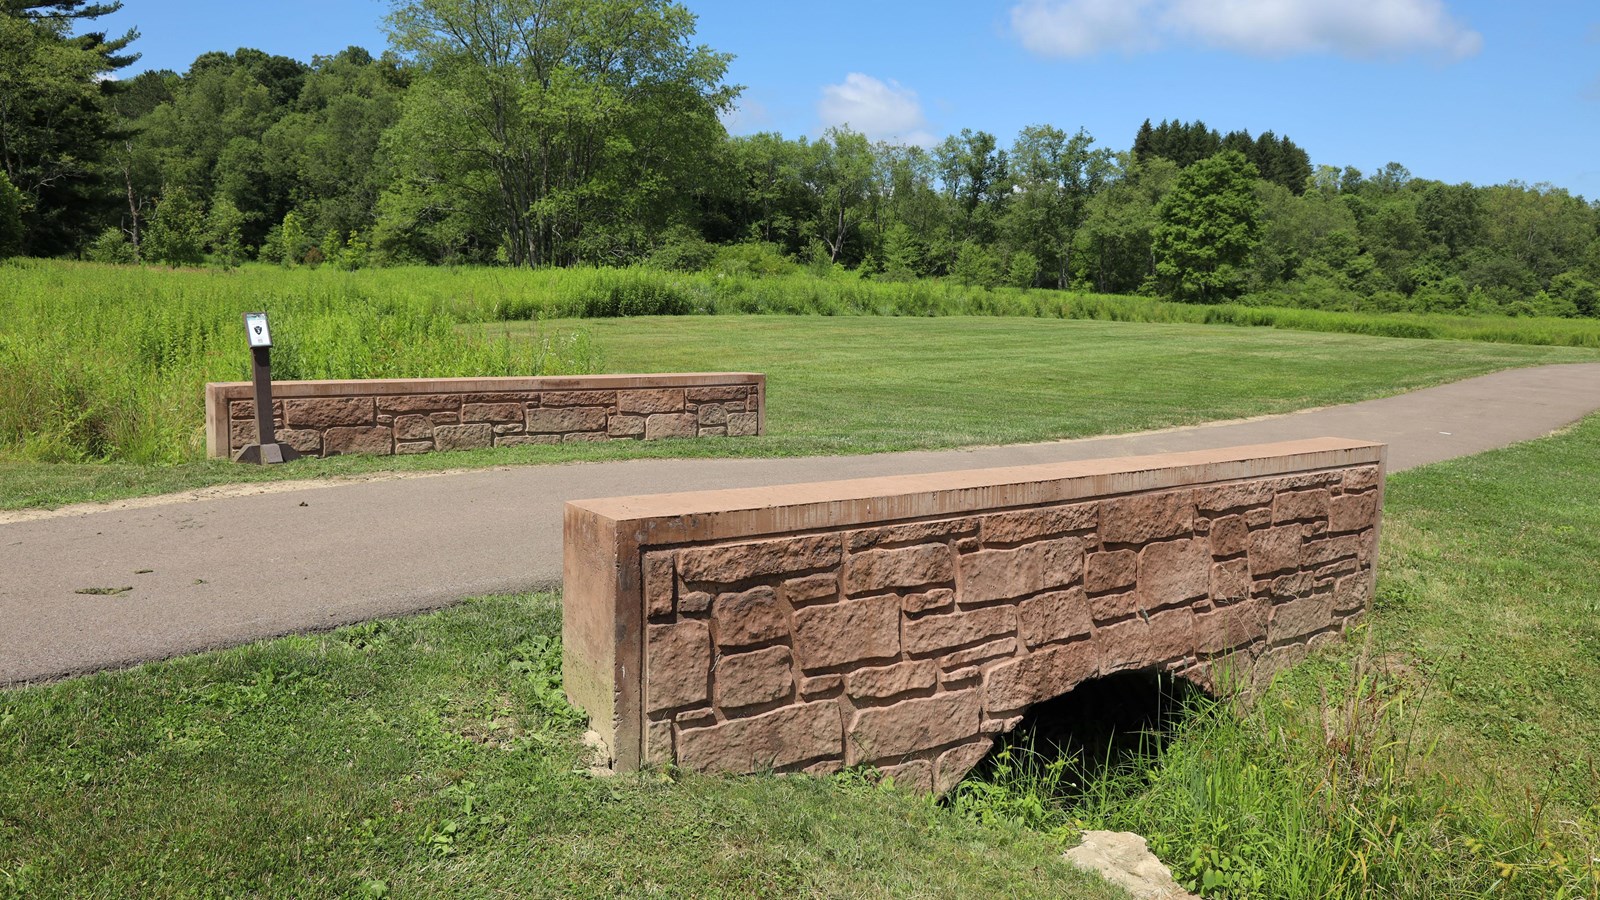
(1353, 28)
(1082, 27)
(746, 115)
(881, 110)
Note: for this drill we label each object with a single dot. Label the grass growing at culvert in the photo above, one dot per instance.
(874, 384)
(1450, 748)
(435, 757)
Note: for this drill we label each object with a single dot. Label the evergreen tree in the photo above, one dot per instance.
(10, 218)
(55, 125)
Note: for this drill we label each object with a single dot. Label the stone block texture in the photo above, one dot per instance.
(329, 418)
(908, 642)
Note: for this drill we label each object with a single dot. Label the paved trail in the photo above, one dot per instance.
(231, 570)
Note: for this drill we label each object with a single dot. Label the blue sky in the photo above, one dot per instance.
(1459, 90)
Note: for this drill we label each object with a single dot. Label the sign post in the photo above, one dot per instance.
(266, 450)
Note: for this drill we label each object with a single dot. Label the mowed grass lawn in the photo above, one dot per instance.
(434, 756)
(864, 385)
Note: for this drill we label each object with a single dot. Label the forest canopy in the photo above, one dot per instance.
(590, 132)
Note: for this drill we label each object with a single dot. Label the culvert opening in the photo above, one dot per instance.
(1110, 728)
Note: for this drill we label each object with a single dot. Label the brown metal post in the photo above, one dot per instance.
(261, 374)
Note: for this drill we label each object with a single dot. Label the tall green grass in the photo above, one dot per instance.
(107, 363)
(101, 363)
(1278, 799)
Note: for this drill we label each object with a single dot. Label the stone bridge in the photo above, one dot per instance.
(905, 622)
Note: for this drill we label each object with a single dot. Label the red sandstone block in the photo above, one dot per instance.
(891, 681)
(960, 660)
(693, 603)
(880, 570)
(670, 425)
(954, 764)
(752, 617)
(445, 418)
(1139, 643)
(1362, 479)
(374, 441)
(1053, 617)
(1321, 552)
(744, 424)
(524, 440)
(838, 633)
(1005, 574)
(679, 665)
(626, 426)
(658, 743)
(1300, 506)
(928, 601)
(750, 679)
(730, 563)
(812, 688)
(914, 533)
(712, 415)
(665, 400)
(1352, 593)
(463, 437)
(1306, 481)
(1111, 571)
(329, 411)
(307, 441)
(911, 725)
(718, 393)
(1032, 524)
(412, 448)
(587, 437)
(413, 428)
(419, 403)
(493, 412)
(1288, 587)
(916, 775)
(1147, 517)
(1229, 497)
(1232, 626)
(1353, 512)
(1230, 580)
(518, 398)
(1173, 572)
(811, 588)
(564, 420)
(658, 583)
(1230, 536)
(1274, 550)
(933, 634)
(784, 737)
(1109, 607)
(1051, 672)
(1298, 618)
(578, 398)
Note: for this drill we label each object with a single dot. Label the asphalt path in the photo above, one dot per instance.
(212, 573)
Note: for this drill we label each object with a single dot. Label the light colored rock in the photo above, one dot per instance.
(1124, 859)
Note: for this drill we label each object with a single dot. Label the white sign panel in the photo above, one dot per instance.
(255, 324)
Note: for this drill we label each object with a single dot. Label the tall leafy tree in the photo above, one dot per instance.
(1055, 176)
(55, 127)
(556, 130)
(1209, 224)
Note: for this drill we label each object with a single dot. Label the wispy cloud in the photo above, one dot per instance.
(881, 110)
(1362, 29)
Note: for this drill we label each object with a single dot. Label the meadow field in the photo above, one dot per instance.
(102, 367)
(1447, 750)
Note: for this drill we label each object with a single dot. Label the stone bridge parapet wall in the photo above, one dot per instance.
(906, 622)
(407, 416)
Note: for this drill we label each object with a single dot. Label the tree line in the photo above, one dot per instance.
(589, 132)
